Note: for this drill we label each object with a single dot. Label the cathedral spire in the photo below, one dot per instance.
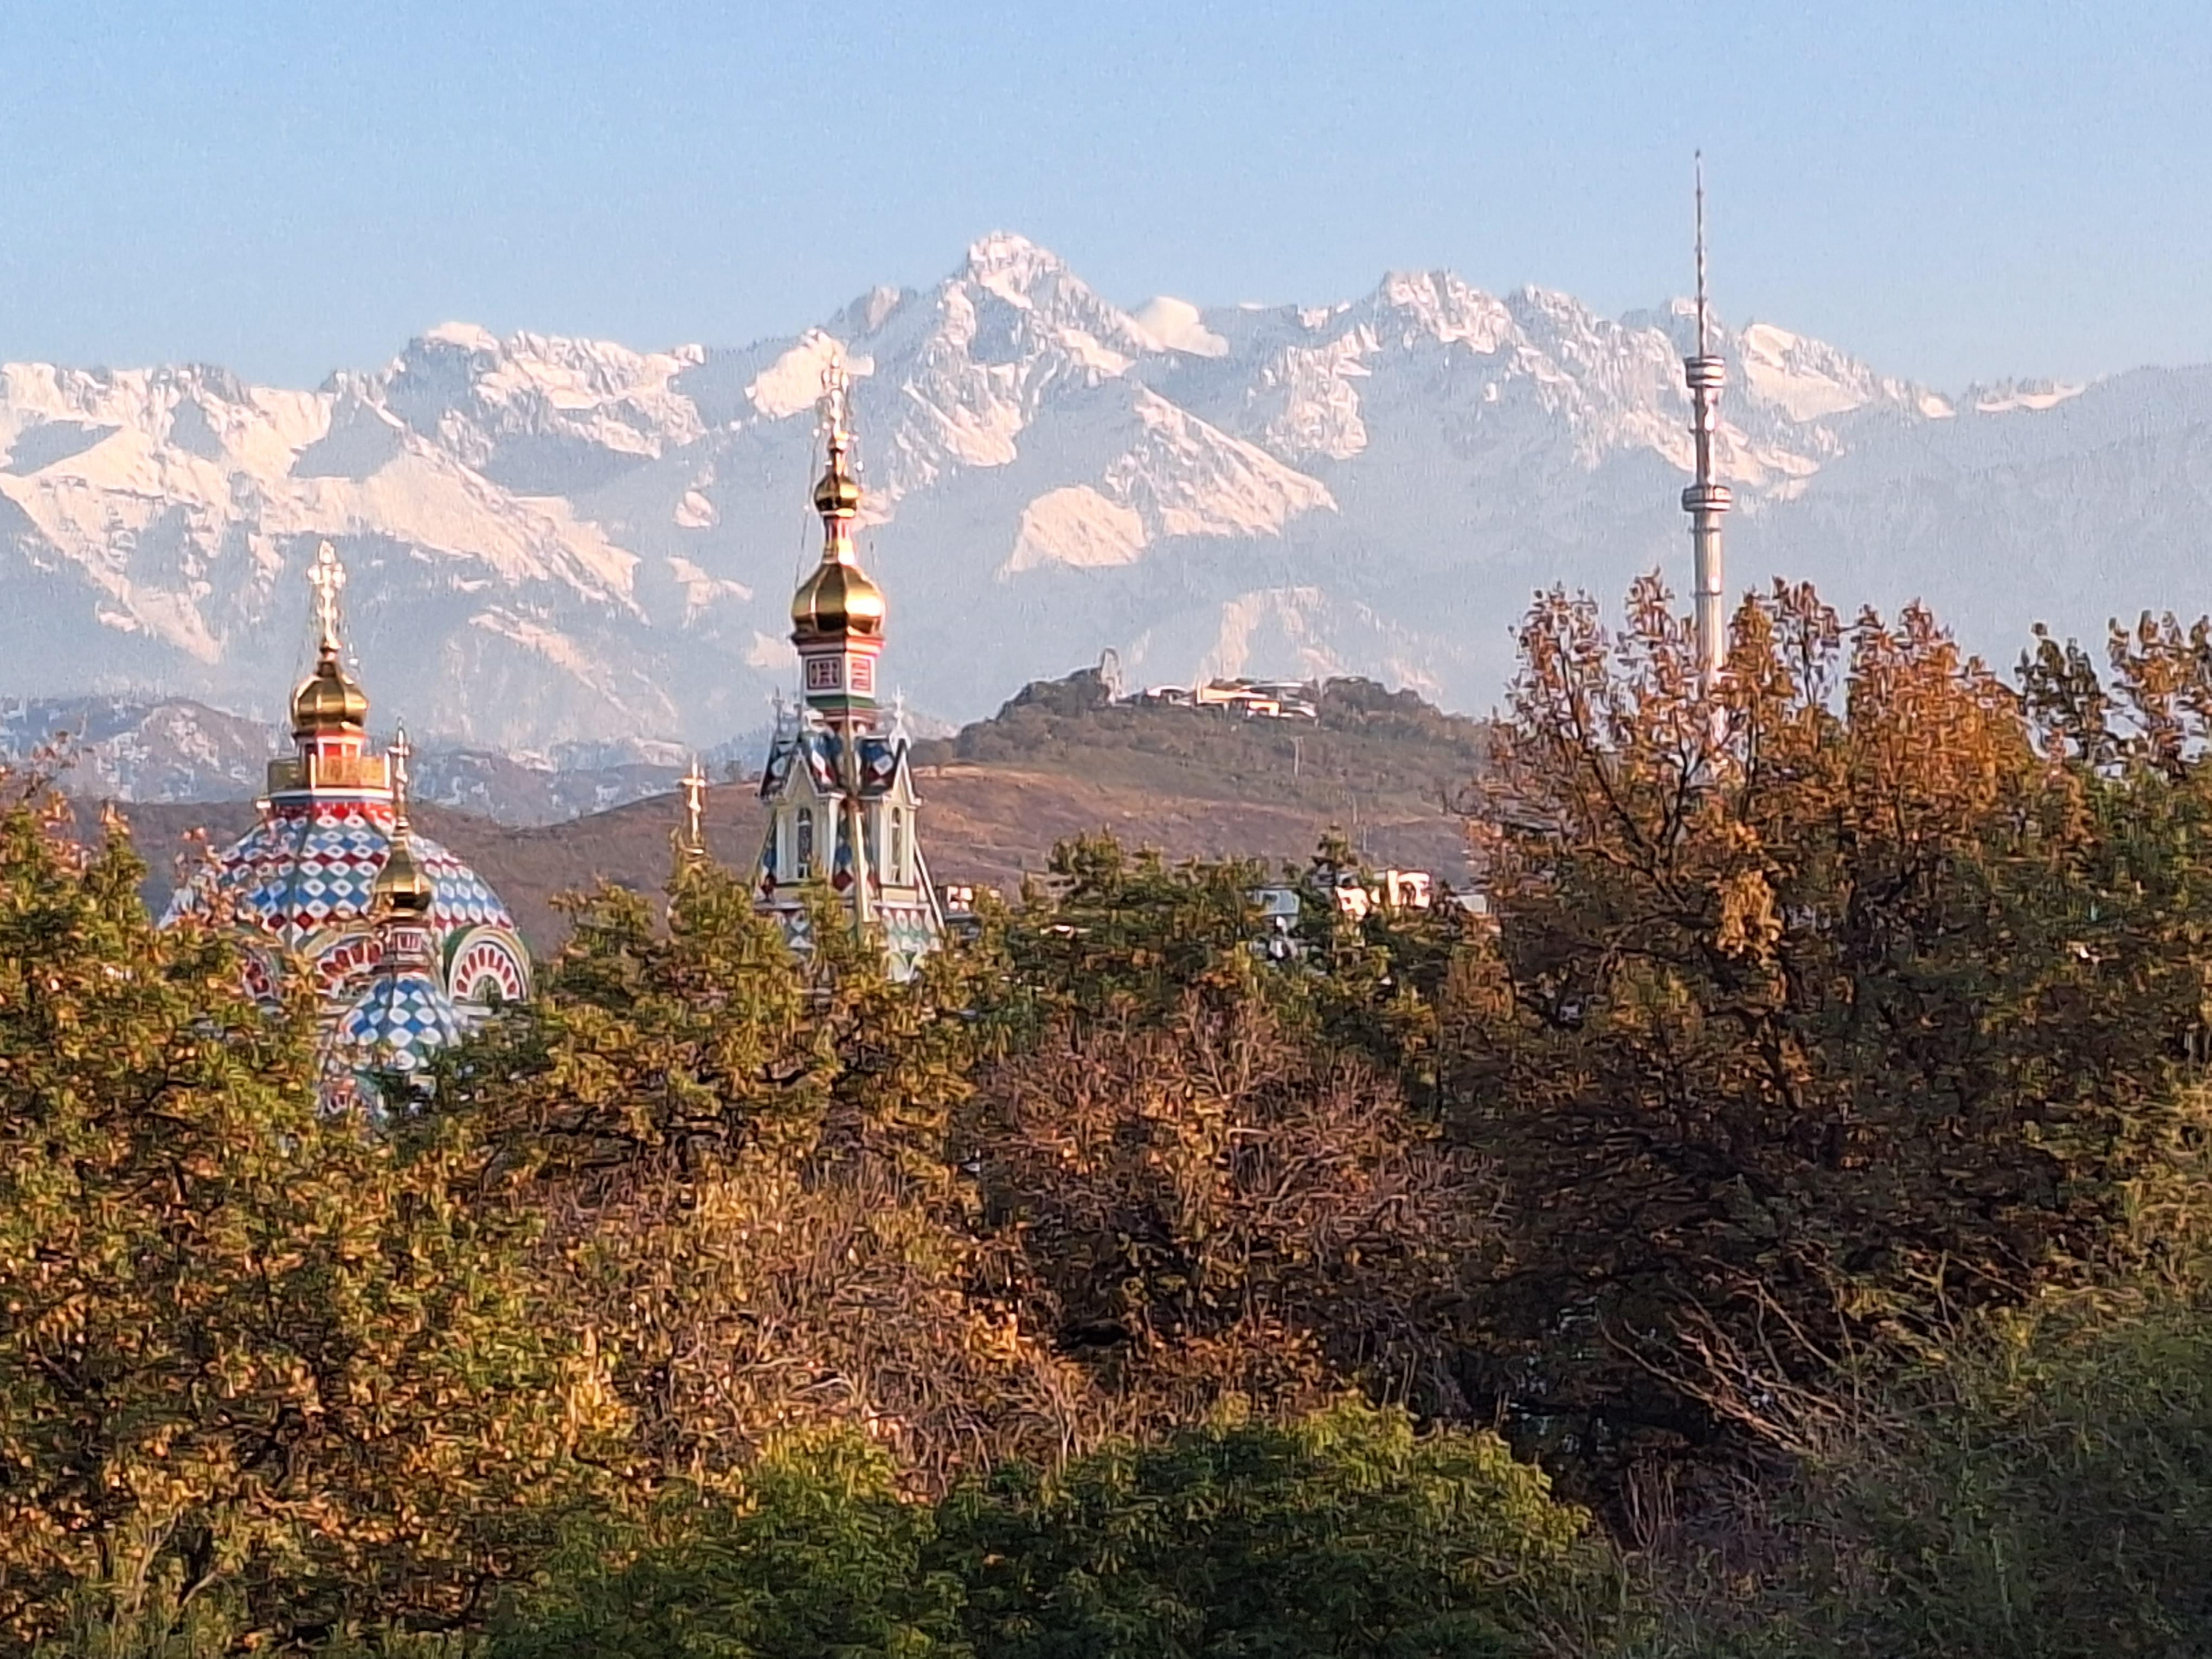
(402, 891)
(328, 699)
(840, 789)
(837, 614)
(837, 497)
(329, 711)
(1706, 500)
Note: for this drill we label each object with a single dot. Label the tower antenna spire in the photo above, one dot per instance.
(1706, 499)
(1705, 341)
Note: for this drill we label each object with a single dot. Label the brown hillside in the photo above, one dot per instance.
(1050, 766)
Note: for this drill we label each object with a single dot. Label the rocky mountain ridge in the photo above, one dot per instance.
(125, 750)
(555, 540)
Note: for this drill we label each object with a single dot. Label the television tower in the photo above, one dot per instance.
(1705, 501)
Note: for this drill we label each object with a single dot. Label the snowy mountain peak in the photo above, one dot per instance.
(1439, 305)
(466, 337)
(1010, 264)
(556, 538)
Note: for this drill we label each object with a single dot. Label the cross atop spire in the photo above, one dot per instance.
(401, 751)
(835, 404)
(328, 579)
(694, 785)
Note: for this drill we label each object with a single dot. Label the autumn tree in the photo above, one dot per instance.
(1199, 1175)
(1824, 1002)
(253, 1356)
(742, 1160)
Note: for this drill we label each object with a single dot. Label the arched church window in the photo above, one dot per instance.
(897, 869)
(803, 859)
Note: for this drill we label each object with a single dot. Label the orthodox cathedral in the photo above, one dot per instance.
(405, 946)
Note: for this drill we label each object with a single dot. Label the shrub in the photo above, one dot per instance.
(1344, 1533)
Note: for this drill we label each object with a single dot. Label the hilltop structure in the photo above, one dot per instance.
(1274, 700)
(405, 945)
(842, 809)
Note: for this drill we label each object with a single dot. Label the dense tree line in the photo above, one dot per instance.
(1774, 1227)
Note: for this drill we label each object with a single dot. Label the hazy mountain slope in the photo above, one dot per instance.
(121, 749)
(1052, 765)
(557, 539)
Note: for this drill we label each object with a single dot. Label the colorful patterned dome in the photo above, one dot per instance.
(304, 882)
(393, 1025)
(303, 879)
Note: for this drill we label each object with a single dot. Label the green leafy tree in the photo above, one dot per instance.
(685, 1035)
(1374, 980)
(2044, 1493)
(1344, 1533)
(822, 1556)
(1112, 933)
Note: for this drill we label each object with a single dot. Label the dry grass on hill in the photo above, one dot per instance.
(1050, 766)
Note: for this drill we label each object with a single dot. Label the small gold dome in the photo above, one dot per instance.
(837, 598)
(403, 886)
(837, 493)
(328, 698)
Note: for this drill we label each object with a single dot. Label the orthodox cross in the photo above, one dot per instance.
(694, 785)
(401, 750)
(837, 389)
(328, 579)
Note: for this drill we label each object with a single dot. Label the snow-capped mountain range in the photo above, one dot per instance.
(558, 540)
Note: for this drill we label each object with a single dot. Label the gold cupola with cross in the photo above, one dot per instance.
(329, 711)
(842, 807)
(837, 614)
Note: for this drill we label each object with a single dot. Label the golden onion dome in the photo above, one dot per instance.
(837, 598)
(403, 886)
(838, 493)
(328, 698)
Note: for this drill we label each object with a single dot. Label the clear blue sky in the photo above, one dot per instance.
(1953, 191)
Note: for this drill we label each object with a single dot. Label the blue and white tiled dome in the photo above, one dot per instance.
(301, 881)
(391, 1027)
